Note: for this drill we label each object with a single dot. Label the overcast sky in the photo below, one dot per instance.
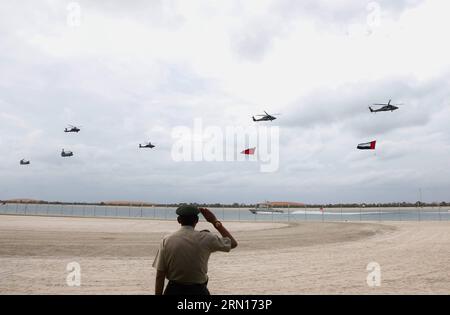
(132, 71)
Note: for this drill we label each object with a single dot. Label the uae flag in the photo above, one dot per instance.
(250, 151)
(367, 146)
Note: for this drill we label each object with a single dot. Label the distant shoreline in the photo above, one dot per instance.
(233, 205)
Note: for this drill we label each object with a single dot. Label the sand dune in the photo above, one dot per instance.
(272, 258)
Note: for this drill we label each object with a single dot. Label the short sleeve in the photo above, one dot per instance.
(160, 262)
(221, 244)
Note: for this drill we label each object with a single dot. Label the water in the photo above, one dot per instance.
(237, 214)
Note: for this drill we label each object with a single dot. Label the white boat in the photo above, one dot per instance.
(264, 208)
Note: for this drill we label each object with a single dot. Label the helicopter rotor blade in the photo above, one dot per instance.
(267, 114)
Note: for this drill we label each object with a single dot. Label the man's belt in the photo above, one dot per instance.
(187, 283)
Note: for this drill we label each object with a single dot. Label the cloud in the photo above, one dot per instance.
(348, 105)
(277, 20)
(333, 13)
(132, 72)
(255, 37)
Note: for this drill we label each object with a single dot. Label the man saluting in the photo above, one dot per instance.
(183, 256)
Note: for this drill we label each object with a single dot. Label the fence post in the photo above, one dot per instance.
(272, 215)
(289, 210)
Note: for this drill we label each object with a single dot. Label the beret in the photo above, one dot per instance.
(187, 210)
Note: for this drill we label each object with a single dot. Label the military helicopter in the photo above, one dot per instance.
(24, 162)
(66, 153)
(265, 117)
(72, 129)
(385, 107)
(148, 145)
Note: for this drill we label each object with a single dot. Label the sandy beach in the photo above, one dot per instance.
(115, 256)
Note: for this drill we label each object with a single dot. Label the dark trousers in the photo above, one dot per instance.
(176, 288)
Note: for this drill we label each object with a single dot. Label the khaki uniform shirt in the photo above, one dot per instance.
(184, 254)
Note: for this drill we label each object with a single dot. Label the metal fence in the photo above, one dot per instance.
(237, 214)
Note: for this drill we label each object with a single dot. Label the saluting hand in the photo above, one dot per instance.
(209, 216)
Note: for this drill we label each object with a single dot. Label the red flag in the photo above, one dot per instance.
(250, 151)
